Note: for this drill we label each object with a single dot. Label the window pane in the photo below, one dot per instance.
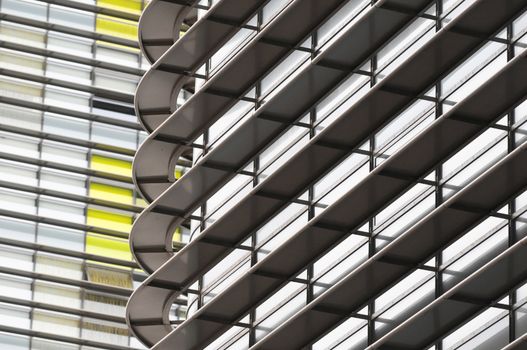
(111, 193)
(111, 165)
(51, 265)
(20, 117)
(108, 246)
(60, 237)
(17, 229)
(99, 218)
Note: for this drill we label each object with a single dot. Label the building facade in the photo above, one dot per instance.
(358, 177)
(68, 134)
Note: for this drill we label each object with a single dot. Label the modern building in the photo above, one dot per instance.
(68, 134)
(358, 178)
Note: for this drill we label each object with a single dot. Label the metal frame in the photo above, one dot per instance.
(149, 304)
(95, 9)
(62, 338)
(395, 175)
(176, 129)
(67, 30)
(69, 57)
(101, 92)
(215, 169)
(468, 207)
(154, 218)
(469, 296)
(212, 244)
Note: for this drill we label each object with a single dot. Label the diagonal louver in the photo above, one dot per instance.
(340, 149)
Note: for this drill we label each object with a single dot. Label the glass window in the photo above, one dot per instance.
(100, 302)
(134, 6)
(64, 155)
(18, 201)
(104, 331)
(14, 316)
(61, 209)
(115, 55)
(20, 117)
(20, 145)
(111, 165)
(59, 237)
(16, 258)
(17, 229)
(22, 34)
(66, 126)
(56, 324)
(22, 62)
(68, 71)
(108, 246)
(71, 17)
(67, 98)
(57, 294)
(43, 344)
(114, 135)
(15, 287)
(14, 342)
(111, 193)
(20, 89)
(18, 173)
(55, 266)
(112, 221)
(115, 81)
(70, 44)
(112, 277)
(116, 27)
(63, 181)
(28, 9)
(113, 109)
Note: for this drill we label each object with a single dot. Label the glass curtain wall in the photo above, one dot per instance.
(500, 229)
(68, 133)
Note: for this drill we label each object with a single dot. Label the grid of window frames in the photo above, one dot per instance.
(504, 226)
(68, 134)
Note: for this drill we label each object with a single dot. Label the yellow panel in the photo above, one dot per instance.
(108, 246)
(111, 165)
(178, 173)
(140, 202)
(116, 27)
(134, 6)
(111, 193)
(108, 220)
(177, 235)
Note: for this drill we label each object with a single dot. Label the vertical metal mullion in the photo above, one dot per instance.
(371, 222)
(38, 178)
(256, 169)
(438, 278)
(512, 238)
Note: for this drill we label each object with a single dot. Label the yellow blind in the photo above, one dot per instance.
(133, 6)
(116, 27)
(111, 165)
(108, 220)
(110, 277)
(111, 193)
(108, 246)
